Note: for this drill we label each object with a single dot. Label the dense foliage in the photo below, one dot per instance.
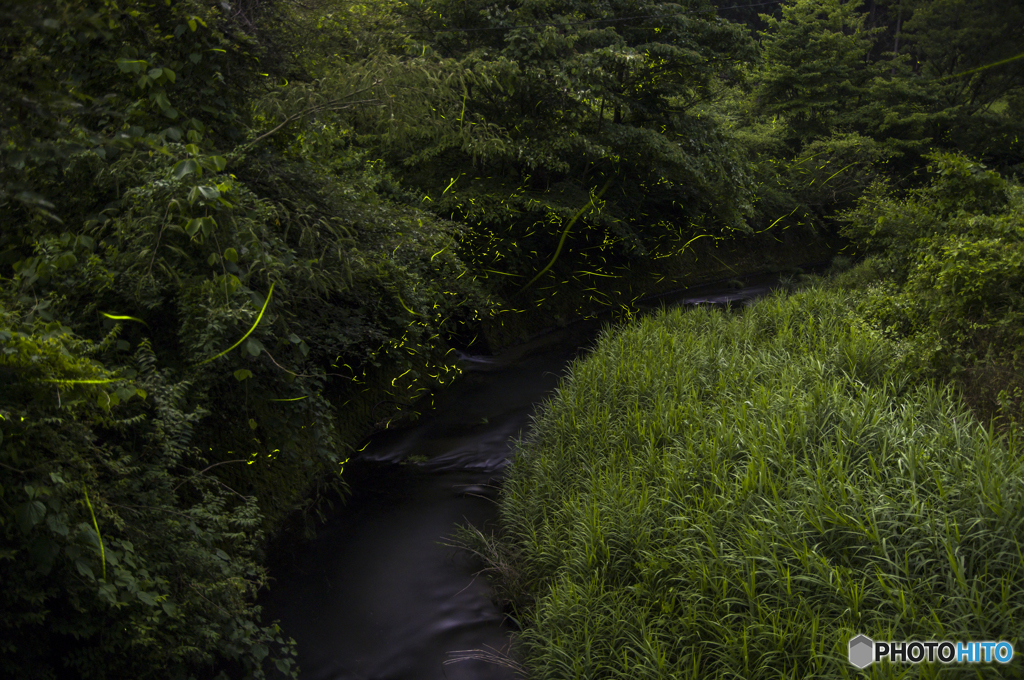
(236, 236)
(720, 495)
(196, 275)
(946, 272)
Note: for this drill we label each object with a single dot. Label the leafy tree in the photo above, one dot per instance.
(198, 270)
(584, 97)
(120, 550)
(907, 81)
(815, 69)
(970, 54)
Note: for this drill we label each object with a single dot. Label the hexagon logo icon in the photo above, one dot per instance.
(861, 651)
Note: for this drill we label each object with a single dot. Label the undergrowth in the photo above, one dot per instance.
(720, 495)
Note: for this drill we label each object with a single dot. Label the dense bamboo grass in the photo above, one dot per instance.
(736, 495)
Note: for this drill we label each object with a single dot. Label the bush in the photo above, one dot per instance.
(952, 256)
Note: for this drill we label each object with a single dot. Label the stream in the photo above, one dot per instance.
(377, 596)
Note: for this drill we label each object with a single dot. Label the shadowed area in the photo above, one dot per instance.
(377, 596)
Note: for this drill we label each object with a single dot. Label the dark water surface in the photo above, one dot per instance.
(377, 596)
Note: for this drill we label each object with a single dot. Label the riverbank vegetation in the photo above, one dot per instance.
(717, 494)
(235, 237)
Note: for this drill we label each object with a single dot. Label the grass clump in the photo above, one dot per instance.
(716, 495)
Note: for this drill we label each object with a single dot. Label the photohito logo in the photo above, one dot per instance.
(864, 651)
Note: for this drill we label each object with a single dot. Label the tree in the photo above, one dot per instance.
(586, 96)
(970, 54)
(815, 71)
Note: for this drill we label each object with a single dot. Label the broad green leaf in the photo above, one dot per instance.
(231, 255)
(85, 570)
(294, 338)
(170, 608)
(208, 192)
(56, 524)
(185, 167)
(192, 228)
(108, 592)
(208, 225)
(147, 598)
(169, 74)
(66, 261)
(30, 514)
(253, 346)
(260, 652)
(242, 373)
(253, 424)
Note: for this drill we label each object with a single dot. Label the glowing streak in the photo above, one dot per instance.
(124, 318)
(836, 173)
(103, 553)
(293, 399)
(565, 233)
(694, 239)
(438, 253)
(404, 306)
(982, 68)
(781, 218)
(242, 339)
(88, 382)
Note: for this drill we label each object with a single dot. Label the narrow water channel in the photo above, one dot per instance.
(377, 596)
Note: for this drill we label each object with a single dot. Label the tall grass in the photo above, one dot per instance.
(714, 495)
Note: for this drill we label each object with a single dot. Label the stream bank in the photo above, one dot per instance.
(378, 595)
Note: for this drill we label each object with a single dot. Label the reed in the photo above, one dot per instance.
(720, 495)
